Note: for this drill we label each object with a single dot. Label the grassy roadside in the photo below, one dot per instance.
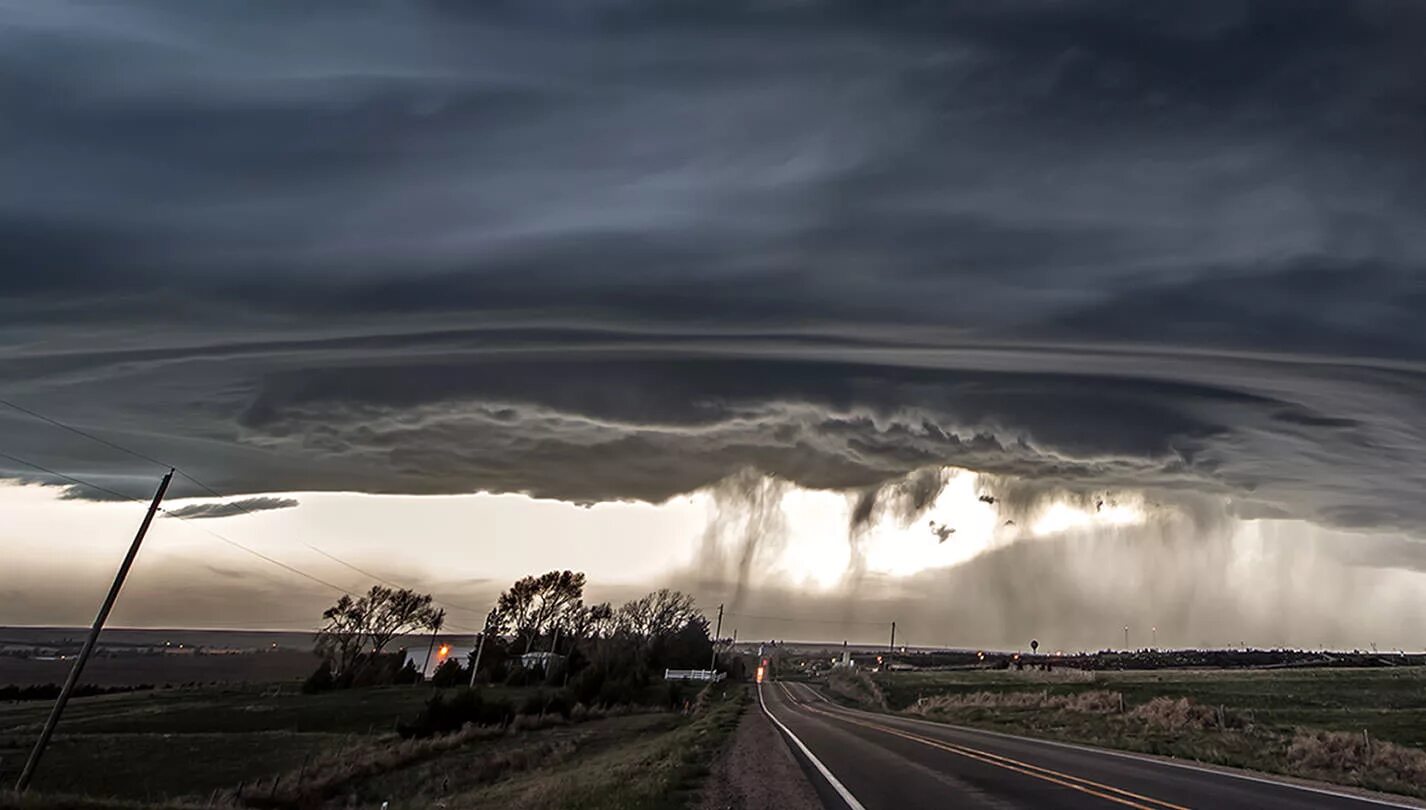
(616, 758)
(650, 772)
(1364, 728)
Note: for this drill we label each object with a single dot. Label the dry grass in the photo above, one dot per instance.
(638, 772)
(1183, 727)
(855, 686)
(335, 769)
(1168, 714)
(1356, 758)
(1094, 702)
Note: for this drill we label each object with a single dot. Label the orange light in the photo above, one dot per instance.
(761, 671)
(444, 651)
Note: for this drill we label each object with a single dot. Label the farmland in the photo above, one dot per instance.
(273, 746)
(1363, 727)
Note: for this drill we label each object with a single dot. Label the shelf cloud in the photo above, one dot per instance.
(626, 250)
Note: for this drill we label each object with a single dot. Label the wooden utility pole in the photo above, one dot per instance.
(429, 647)
(713, 664)
(893, 637)
(480, 647)
(89, 643)
(475, 665)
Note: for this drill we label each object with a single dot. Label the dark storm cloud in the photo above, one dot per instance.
(628, 249)
(231, 508)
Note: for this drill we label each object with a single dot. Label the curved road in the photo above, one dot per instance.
(868, 761)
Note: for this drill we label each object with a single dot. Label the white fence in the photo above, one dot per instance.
(693, 675)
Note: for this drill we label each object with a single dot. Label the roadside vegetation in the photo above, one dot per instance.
(1364, 728)
(560, 685)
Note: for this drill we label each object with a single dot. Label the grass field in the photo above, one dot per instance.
(1363, 727)
(196, 746)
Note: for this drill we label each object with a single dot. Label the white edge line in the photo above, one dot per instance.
(1171, 763)
(816, 763)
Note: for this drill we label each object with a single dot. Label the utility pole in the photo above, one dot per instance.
(89, 643)
(429, 647)
(1126, 638)
(480, 647)
(713, 664)
(893, 637)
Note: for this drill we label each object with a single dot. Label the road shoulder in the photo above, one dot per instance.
(757, 770)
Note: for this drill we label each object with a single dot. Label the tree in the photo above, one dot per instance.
(534, 605)
(665, 628)
(658, 615)
(340, 640)
(590, 621)
(360, 627)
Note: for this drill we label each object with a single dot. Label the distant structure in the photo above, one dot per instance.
(540, 660)
(693, 675)
(846, 660)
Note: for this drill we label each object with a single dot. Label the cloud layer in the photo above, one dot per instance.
(627, 249)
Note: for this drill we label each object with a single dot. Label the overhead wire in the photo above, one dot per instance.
(804, 621)
(76, 480)
(215, 493)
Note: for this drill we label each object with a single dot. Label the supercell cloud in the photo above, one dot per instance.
(624, 250)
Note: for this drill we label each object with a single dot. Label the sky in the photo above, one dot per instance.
(997, 319)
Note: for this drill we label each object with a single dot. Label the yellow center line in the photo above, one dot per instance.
(1079, 783)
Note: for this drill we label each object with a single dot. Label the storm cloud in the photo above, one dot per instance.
(625, 250)
(231, 508)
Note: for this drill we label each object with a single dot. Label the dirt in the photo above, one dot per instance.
(757, 770)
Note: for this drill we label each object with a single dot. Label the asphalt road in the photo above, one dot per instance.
(870, 761)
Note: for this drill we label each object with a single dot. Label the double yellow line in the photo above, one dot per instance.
(1079, 783)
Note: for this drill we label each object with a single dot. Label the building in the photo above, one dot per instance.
(541, 660)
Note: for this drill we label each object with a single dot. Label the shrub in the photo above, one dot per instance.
(320, 680)
(1169, 714)
(618, 692)
(1337, 752)
(450, 673)
(1096, 701)
(585, 686)
(560, 704)
(534, 703)
(450, 713)
(855, 686)
(408, 674)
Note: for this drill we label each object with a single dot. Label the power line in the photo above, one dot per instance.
(70, 478)
(188, 520)
(338, 560)
(106, 442)
(185, 519)
(804, 621)
(210, 490)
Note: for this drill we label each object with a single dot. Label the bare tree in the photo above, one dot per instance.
(342, 636)
(534, 605)
(354, 627)
(590, 621)
(658, 615)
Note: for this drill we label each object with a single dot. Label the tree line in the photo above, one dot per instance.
(540, 631)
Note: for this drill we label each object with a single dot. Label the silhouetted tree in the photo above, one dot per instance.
(535, 605)
(357, 628)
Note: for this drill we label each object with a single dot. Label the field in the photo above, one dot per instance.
(1364, 727)
(196, 746)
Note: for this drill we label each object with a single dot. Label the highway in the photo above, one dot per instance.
(870, 761)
